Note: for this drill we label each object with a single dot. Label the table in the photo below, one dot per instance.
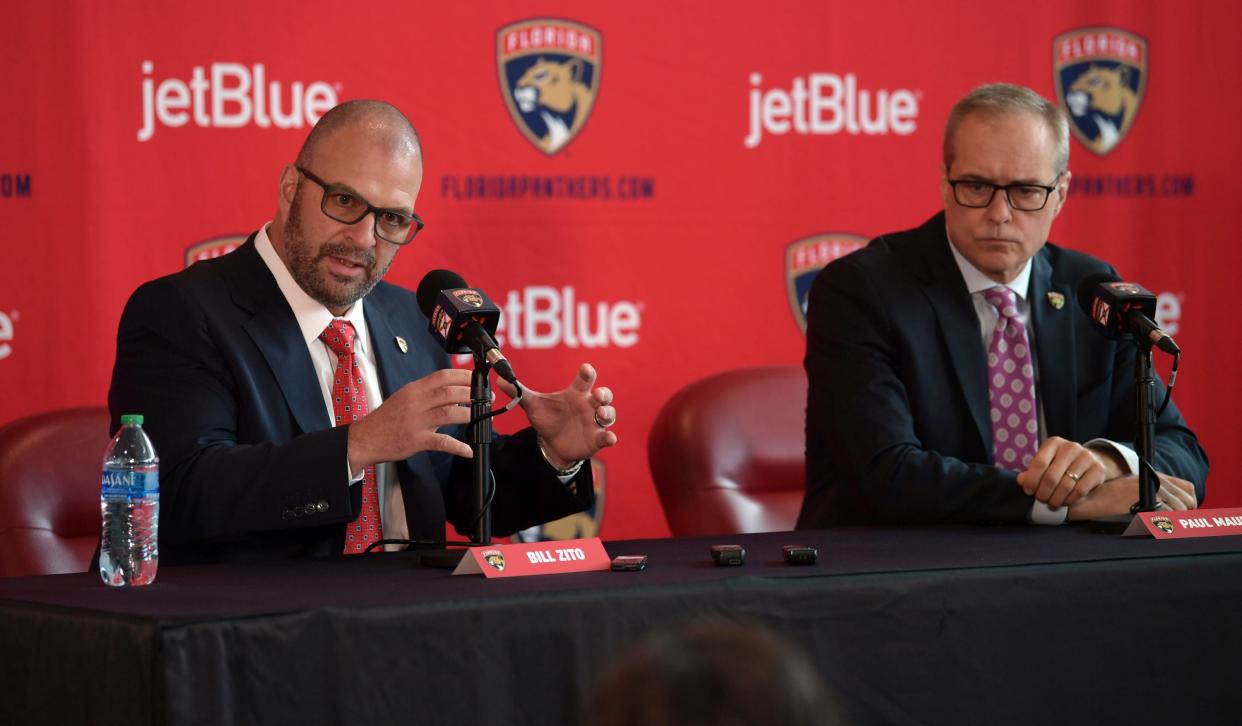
(1008, 625)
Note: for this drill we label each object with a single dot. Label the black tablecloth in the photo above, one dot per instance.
(907, 626)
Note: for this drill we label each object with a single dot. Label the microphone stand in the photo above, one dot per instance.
(1145, 414)
(479, 436)
(1144, 436)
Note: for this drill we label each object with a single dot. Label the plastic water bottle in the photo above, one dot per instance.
(130, 501)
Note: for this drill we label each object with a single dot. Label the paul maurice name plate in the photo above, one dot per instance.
(1192, 523)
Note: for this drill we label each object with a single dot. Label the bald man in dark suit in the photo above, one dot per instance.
(269, 447)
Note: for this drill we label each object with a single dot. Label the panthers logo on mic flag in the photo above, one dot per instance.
(1100, 76)
(549, 74)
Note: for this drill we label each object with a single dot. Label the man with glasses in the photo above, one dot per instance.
(299, 404)
(952, 376)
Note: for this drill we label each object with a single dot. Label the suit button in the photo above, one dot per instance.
(286, 514)
(322, 506)
(299, 511)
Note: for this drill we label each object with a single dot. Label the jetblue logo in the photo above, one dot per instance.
(826, 103)
(14, 185)
(1169, 312)
(540, 316)
(6, 334)
(231, 95)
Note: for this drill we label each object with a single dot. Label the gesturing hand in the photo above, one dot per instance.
(571, 423)
(407, 422)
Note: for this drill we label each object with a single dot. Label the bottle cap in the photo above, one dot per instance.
(131, 419)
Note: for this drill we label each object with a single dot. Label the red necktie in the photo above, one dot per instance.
(1011, 385)
(349, 403)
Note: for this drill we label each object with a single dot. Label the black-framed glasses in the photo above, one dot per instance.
(1023, 197)
(345, 206)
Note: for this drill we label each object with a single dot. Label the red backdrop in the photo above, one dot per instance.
(132, 132)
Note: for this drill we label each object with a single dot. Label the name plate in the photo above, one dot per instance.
(535, 558)
(1182, 525)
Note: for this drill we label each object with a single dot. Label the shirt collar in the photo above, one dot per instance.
(977, 282)
(311, 315)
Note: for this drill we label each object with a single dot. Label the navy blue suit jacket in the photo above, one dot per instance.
(897, 425)
(251, 466)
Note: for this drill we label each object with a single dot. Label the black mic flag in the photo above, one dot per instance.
(1120, 308)
(462, 318)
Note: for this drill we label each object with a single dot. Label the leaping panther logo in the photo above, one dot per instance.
(549, 75)
(1100, 76)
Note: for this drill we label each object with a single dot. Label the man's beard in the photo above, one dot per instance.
(304, 264)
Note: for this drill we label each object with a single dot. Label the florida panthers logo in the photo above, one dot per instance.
(549, 75)
(575, 526)
(1100, 76)
(470, 297)
(495, 559)
(214, 247)
(806, 257)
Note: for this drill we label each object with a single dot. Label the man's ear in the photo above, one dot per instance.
(289, 178)
(1062, 192)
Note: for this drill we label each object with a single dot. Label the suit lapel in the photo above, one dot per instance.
(386, 324)
(950, 300)
(275, 332)
(1054, 347)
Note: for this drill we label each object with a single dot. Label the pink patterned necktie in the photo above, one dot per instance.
(349, 403)
(1011, 386)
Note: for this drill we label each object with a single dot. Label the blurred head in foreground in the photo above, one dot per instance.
(713, 672)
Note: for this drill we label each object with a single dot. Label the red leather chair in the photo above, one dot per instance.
(727, 452)
(49, 491)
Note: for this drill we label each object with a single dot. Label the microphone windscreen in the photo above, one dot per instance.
(432, 283)
(1085, 292)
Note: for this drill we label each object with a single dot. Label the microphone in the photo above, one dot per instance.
(1118, 308)
(463, 319)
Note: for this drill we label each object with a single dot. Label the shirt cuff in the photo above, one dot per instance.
(1129, 455)
(1041, 513)
(354, 479)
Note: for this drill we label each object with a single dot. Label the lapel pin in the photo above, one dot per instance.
(1056, 298)
(405, 347)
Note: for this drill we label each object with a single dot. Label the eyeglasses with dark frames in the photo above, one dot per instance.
(1022, 196)
(344, 205)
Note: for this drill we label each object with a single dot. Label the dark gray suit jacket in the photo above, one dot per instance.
(251, 466)
(897, 426)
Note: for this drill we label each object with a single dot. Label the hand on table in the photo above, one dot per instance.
(1117, 496)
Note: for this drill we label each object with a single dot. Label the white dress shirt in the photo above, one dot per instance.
(312, 319)
(977, 283)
